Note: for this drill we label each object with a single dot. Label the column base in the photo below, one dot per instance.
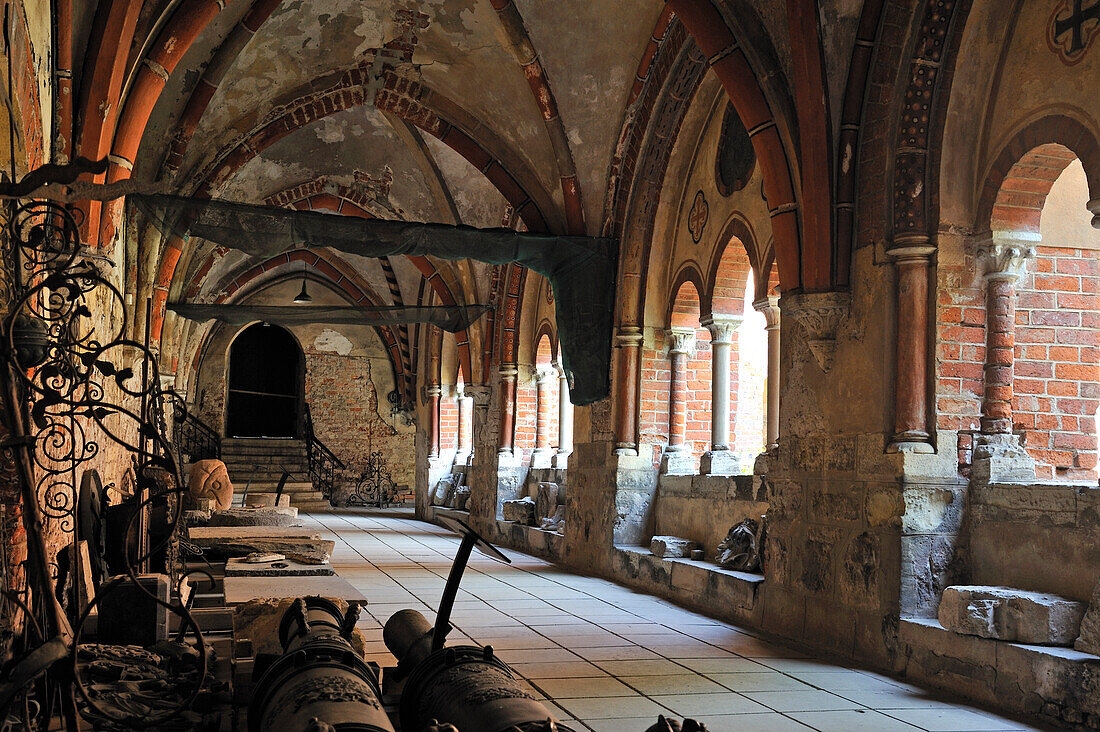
(560, 460)
(541, 457)
(719, 462)
(508, 459)
(1001, 459)
(677, 462)
(914, 446)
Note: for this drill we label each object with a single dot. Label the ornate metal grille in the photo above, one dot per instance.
(375, 486)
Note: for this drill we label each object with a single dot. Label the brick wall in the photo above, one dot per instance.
(448, 421)
(525, 414)
(1057, 386)
(344, 405)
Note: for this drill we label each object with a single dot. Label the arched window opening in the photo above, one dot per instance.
(265, 386)
(750, 402)
(687, 348)
(546, 405)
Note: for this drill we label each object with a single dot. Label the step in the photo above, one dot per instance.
(264, 486)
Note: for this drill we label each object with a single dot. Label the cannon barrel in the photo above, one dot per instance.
(465, 686)
(319, 681)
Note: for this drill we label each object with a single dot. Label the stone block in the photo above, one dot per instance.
(521, 511)
(264, 500)
(258, 621)
(462, 498)
(546, 500)
(556, 522)
(239, 567)
(1089, 640)
(128, 616)
(270, 516)
(672, 547)
(719, 462)
(1007, 614)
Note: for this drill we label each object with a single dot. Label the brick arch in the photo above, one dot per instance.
(546, 330)
(804, 263)
(1027, 164)
(729, 270)
(313, 196)
(335, 274)
(685, 305)
(680, 297)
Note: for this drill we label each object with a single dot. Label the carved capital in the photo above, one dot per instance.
(722, 328)
(628, 336)
(545, 373)
(819, 314)
(769, 306)
(681, 340)
(479, 394)
(1005, 257)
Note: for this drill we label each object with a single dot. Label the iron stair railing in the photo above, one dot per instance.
(193, 437)
(323, 463)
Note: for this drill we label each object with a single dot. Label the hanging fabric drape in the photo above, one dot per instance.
(451, 318)
(581, 270)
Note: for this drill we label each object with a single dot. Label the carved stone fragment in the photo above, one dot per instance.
(546, 500)
(671, 547)
(209, 479)
(742, 549)
(521, 511)
(1089, 640)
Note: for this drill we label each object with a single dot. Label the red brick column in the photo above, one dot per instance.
(681, 344)
(911, 260)
(507, 409)
(546, 377)
(999, 457)
(1004, 264)
(629, 341)
(434, 393)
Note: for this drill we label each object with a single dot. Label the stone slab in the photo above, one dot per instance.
(239, 590)
(1008, 614)
(206, 535)
(307, 551)
(266, 516)
(1089, 640)
(263, 500)
(237, 567)
(670, 547)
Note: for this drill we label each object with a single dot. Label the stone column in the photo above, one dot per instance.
(465, 426)
(720, 460)
(999, 456)
(769, 306)
(434, 392)
(677, 457)
(565, 421)
(546, 376)
(629, 341)
(506, 446)
(911, 259)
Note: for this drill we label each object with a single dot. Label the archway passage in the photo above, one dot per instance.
(265, 384)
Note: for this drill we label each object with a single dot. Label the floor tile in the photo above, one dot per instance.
(683, 683)
(613, 707)
(955, 720)
(561, 689)
(694, 705)
(847, 720)
(758, 681)
(801, 700)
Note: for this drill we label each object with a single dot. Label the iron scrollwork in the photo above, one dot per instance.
(374, 487)
(65, 333)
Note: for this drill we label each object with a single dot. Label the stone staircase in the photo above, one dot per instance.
(259, 463)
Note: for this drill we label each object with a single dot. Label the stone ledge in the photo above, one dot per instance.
(697, 577)
(1051, 682)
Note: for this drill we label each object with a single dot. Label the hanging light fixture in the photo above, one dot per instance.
(303, 296)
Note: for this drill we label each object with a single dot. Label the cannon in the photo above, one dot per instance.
(467, 687)
(319, 682)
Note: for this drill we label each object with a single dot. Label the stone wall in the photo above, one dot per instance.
(703, 508)
(1036, 537)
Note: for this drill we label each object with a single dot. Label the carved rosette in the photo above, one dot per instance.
(1004, 258)
(819, 314)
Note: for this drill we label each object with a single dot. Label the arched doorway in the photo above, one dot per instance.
(265, 384)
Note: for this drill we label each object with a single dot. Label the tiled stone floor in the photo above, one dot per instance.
(611, 659)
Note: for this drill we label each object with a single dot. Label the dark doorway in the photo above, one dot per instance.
(265, 383)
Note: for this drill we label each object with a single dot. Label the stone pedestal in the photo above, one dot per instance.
(677, 461)
(1001, 459)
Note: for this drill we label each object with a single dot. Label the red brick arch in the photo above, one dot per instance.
(804, 263)
(729, 269)
(1023, 172)
(338, 275)
(681, 303)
